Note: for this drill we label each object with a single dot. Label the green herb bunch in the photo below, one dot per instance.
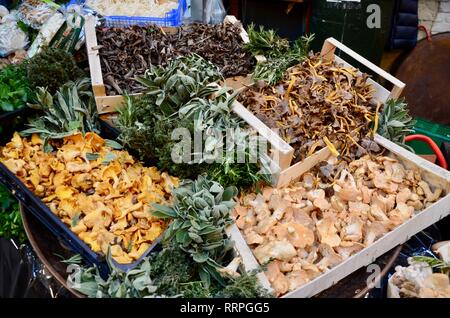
(146, 121)
(395, 122)
(280, 55)
(265, 42)
(52, 67)
(184, 78)
(69, 111)
(183, 95)
(166, 273)
(10, 219)
(200, 214)
(15, 89)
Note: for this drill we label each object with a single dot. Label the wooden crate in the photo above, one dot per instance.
(435, 175)
(109, 104)
(282, 153)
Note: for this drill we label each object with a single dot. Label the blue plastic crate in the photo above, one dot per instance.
(173, 18)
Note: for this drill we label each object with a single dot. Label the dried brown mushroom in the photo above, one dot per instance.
(317, 104)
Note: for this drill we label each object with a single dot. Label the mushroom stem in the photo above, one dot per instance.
(231, 269)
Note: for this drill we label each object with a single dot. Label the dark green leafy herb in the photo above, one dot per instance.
(280, 56)
(244, 286)
(14, 87)
(265, 42)
(395, 122)
(200, 213)
(71, 110)
(179, 96)
(168, 273)
(184, 78)
(10, 219)
(51, 68)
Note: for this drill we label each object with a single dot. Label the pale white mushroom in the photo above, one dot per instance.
(315, 194)
(277, 279)
(430, 196)
(231, 269)
(322, 203)
(382, 181)
(265, 225)
(403, 195)
(267, 193)
(308, 180)
(286, 267)
(358, 207)
(347, 249)
(252, 237)
(347, 192)
(298, 234)
(353, 230)
(337, 203)
(385, 203)
(377, 213)
(366, 194)
(301, 217)
(327, 232)
(443, 250)
(329, 257)
(374, 231)
(297, 279)
(280, 250)
(400, 214)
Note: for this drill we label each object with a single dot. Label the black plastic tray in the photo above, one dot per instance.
(11, 123)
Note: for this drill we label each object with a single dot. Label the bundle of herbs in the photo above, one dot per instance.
(317, 104)
(279, 53)
(69, 111)
(195, 253)
(395, 122)
(10, 220)
(182, 97)
(15, 89)
(51, 68)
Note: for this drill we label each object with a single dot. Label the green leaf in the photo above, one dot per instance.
(163, 211)
(195, 237)
(200, 257)
(108, 158)
(113, 144)
(75, 220)
(92, 156)
(229, 193)
(75, 259)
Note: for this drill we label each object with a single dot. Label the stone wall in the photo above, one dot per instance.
(434, 15)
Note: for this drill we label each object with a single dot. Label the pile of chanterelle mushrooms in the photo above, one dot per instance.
(305, 229)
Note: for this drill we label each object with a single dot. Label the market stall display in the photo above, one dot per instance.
(280, 185)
